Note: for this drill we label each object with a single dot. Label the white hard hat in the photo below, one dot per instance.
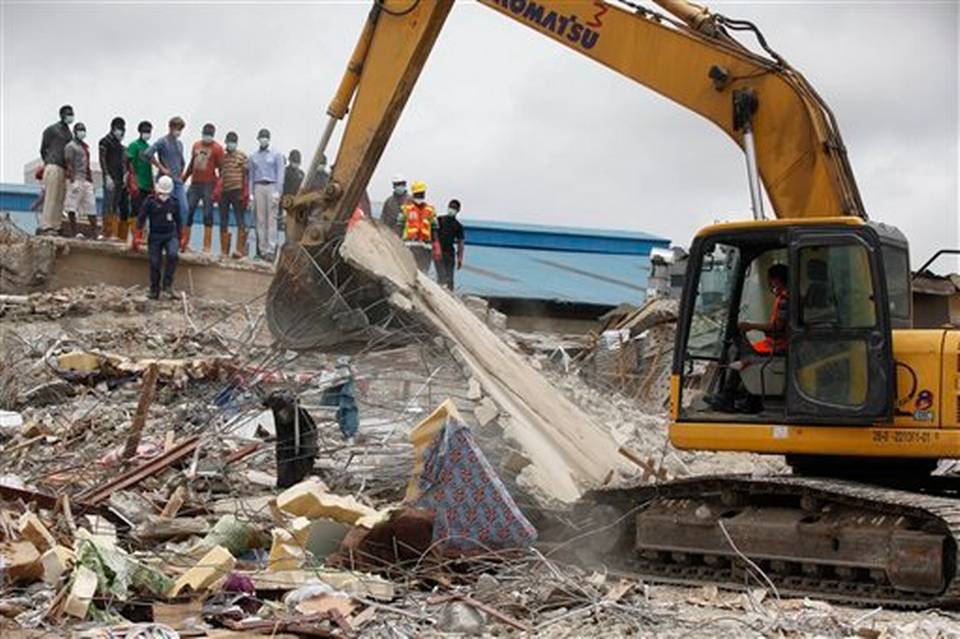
(165, 185)
(399, 179)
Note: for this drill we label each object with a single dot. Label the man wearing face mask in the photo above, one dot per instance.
(164, 216)
(55, 139)
(206, 162)
(266, 185)
(393, 205)
(233, 195)
(292, 179)
(167, 155)
(419, 221)
(113, 164)
(140, 183)
(450, 237)
(79, 200)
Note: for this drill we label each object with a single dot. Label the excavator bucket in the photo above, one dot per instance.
(316, 299)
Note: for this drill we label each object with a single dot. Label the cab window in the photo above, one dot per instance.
(837, 287)
(715, 284)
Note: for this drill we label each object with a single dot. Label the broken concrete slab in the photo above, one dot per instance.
(569, 453)
(212, 567)
(310, 499)
(21, 561)
(56, 561)
(34, 531)
(82, 590)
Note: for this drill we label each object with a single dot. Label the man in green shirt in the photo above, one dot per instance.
(141, 174)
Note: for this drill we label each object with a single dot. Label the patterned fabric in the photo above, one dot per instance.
(474, 510)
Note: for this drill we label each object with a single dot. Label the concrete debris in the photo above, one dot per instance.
(569, 453)
(82, 590)
(190, 535)
(310, 499)
(212, 567)
(56, 561)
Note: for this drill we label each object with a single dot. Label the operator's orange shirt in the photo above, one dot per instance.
(775, 342)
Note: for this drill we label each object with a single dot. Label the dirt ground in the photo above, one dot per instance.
(74, 427)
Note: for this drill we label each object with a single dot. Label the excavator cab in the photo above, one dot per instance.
(832, 362)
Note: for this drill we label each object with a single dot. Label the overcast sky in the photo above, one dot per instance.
(516, 126)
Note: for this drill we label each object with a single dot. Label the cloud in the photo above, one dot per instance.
(514, 125)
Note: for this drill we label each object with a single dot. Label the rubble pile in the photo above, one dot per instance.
(143, 448)
(25, 266)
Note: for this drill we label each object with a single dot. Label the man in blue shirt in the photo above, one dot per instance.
(266, 185)
(167, 155)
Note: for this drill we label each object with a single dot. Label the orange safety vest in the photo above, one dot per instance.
(418, 222)
(777, 342)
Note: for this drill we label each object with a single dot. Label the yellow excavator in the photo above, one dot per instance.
(861, 404)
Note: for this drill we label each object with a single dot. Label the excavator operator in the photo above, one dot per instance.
(735, 397)
(775, 330)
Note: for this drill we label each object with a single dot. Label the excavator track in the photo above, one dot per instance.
(832, 539)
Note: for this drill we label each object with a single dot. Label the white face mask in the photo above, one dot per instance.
(144, 136)
(163, 197)
(264, 142)
(419, 200)
(118, 133)
(176, 133)
(68, 119)
(80, 134)
(207, 139)
(295, 165)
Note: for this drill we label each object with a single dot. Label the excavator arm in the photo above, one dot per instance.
(688, 55)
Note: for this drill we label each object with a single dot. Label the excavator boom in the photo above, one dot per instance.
(790, 140)
(692, 60)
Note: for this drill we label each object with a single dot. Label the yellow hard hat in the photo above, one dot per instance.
(418, 187)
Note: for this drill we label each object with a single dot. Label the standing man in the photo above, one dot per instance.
(55, 139)
(140, 183)
(79, 199)
(393, 205)
(206, 162)
(419, 220)
(292, 179)
(113, 164)
(234, 195)
(450, 236)
(164, 216)
(167, 155)
(266, 185)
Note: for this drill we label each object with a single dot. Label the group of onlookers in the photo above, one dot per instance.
(146, 182)
(134, 174)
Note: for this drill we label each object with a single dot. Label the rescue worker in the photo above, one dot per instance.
(206, 162)
(732, 397)
(167, 155)
(450, 238)
(113, 166)
(266, 185)
(292, 179)
(393, 205)
(140, 183)
(234, 194)
(55, 139)
(79, 199)
(419, 221)
(164, 215)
